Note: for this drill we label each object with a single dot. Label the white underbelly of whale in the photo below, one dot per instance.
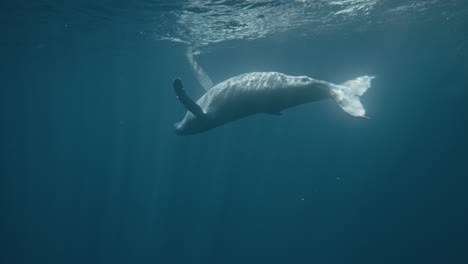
(266, 92)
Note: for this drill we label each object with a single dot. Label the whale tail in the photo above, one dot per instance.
(347, 95)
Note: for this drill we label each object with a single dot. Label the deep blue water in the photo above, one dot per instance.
(92, 172)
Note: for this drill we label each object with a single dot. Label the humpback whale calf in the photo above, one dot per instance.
(260, 92)
(263, 92)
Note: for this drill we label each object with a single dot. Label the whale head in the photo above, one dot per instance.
(191, 125)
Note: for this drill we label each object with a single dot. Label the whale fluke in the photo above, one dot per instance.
(347, 95)
(191, 106)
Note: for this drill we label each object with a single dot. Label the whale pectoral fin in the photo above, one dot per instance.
(274, 112)
(201, 75)
(191, 106)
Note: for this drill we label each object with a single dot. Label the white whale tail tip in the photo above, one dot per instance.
(347, 95)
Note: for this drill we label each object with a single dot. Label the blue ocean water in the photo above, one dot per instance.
(92, 172)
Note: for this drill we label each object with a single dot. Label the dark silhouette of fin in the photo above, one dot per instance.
(187, 101)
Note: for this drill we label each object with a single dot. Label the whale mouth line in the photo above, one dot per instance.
(177, 129)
